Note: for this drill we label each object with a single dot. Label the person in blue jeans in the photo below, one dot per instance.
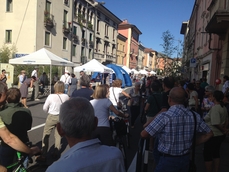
(174, 130)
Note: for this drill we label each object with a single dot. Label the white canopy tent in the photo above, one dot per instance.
(152, 73)
(42, 57)
(134, 71)
(93, 66)
(143, 72)
(128, 70)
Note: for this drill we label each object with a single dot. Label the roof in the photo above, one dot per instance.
(125, 25)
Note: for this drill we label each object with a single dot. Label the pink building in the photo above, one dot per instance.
(131, 48)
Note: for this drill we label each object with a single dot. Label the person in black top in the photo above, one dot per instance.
(84, 91)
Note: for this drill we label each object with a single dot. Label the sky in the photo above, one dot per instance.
(153, 17)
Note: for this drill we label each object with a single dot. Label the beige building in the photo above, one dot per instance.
(32, 25)
(68, 29)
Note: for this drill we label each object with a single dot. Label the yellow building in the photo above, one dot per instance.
(121, 42)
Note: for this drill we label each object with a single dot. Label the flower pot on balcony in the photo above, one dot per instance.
(66, 30)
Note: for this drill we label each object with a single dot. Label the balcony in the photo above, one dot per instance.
(219, 23)
(48, 20)
(90, 25)
(98, 56)
(110, 58)
(75, 38)
(84, 42)
(66, 28)
(91, 44)
(83, 59)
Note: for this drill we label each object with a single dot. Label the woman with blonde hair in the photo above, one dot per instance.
(102, 105)
(115, 92)
(52, 106)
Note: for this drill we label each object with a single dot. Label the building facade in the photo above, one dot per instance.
(206, 40)
(121, 43)
(141, 56)
(74, 30)
(132, 45)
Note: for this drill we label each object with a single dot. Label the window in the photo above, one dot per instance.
(65, 18)
(47, 38)
(90, 54)
(64, 43)
(9, 5)
(83, 33)
(113, 34)
(74, 30)
(106, 30)
(8, 36)
(48, 6)
(74, 50)
(97, 26)
(90, 37)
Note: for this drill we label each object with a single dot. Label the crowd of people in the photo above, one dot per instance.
(81, 114)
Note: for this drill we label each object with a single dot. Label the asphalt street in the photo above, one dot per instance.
(39, 117)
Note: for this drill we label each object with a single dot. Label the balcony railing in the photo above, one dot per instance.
(83, 41)
(83, 59)
(91, 44)
(66, 27)
(48, 19)
(75, 38)
(98, 56)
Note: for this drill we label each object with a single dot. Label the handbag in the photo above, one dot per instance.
(192, 165)
(119, 104)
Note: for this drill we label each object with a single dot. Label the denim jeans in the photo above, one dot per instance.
(173, 164)
(66, 88)
(7, 155)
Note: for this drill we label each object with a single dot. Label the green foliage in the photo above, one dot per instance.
(168, 43)
(7, 52)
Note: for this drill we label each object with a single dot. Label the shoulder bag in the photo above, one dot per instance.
(192, 165)
(119, 104)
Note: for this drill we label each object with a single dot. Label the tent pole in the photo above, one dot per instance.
(50, 79)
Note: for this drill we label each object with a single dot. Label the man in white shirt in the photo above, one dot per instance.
(35, 93)
(66, 79)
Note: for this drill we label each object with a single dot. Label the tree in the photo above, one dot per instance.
(172, 64)
(7, 53)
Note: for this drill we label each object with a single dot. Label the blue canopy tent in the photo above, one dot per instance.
(120, 73)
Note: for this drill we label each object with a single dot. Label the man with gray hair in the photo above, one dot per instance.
(77, 122)
(84, 91)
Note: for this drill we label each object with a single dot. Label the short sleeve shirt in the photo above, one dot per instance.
(114, 91)
(101, 108)
(191, 101)
(217, 116)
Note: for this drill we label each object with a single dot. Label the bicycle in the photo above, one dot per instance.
(22, 163)
(119, 131)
